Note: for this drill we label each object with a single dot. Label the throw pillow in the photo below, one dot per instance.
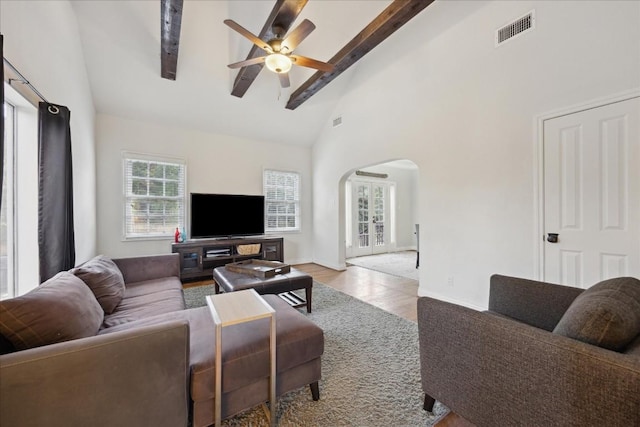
(606, 315)
(60, 309)
(105, 280)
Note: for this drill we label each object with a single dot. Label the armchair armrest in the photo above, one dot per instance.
(137, 269)
(130, 378)
(535, 303)
(495, 371)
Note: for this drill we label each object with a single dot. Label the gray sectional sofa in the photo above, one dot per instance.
(80, 351)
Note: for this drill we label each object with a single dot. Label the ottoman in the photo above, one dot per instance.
(245, 360)
(281, 284)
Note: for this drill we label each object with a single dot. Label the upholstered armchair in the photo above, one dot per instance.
(542, 355)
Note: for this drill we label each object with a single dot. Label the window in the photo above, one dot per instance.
(19, 216)
(7, 214)
(282, 200)
(154, 196)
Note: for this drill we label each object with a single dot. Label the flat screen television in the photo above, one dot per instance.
(226, 215)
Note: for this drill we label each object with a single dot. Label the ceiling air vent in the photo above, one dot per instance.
(337, 121)
(516, 28)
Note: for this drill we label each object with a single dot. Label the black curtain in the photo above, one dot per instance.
(55, 199)
(1, 116)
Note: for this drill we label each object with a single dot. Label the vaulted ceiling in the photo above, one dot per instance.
(121, 43)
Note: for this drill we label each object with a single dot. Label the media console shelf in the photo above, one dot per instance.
(199, 257)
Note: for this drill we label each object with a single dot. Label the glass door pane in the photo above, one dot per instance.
(378, 214)
(363, 216)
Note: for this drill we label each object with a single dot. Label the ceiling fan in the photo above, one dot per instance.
(280, 57)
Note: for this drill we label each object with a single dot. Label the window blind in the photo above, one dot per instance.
(154, 196)
(282, 200)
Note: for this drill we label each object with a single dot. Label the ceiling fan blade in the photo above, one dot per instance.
(284, 79)
(297, 35)
(255, 40)
(311, 63)
(246, 62)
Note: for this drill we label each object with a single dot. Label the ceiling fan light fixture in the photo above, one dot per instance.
(278, 63)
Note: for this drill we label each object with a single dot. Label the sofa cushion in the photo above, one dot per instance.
(150, 287)
(61, 309)
(606, 315)
(147, 299)
(104, 279)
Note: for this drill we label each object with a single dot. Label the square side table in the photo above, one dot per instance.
(239, 307)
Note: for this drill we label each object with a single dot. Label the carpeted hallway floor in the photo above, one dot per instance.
(401, 264)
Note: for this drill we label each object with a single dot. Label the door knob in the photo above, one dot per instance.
(552, 237)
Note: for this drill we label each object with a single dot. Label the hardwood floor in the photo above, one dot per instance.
(394, 294)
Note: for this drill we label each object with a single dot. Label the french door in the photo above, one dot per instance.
(370, 215)
(592, 194)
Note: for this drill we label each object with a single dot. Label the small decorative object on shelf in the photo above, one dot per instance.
(176, 236)
(183, 235)
(251, 249)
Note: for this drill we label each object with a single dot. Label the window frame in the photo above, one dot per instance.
(296, 202)
(182, 199)
(9, 203)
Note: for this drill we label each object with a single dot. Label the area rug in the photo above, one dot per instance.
(401, 264)
(370, 369)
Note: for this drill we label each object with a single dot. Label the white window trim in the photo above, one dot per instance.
(25, 203)
(298, 227)
(131, 155)
(9, 203)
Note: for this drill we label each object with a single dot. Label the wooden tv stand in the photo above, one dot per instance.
(199, 257)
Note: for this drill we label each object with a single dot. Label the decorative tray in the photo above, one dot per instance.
(259, 268)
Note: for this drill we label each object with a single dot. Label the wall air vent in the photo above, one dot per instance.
(518, 27)
(337, 121)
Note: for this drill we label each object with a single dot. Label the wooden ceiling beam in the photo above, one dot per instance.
(283, 15)
(170, 22)
(398, 13)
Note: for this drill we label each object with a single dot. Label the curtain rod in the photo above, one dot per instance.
(21, 79)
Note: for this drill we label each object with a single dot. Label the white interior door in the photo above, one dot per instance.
(370, 218)
(592, 194)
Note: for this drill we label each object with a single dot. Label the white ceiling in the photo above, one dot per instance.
(121, 43)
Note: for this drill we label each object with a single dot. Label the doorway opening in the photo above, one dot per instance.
(381, 214)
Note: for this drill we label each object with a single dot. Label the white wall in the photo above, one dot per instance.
(41, 40)
(440, 94)
(215, 164)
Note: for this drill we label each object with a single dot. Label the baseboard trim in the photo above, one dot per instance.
(448, 299)
(405, 248)
(299, 261)
(330, 265)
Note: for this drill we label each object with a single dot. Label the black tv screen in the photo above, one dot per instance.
(226, 215)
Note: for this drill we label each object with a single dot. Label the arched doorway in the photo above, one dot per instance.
(380, 213)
